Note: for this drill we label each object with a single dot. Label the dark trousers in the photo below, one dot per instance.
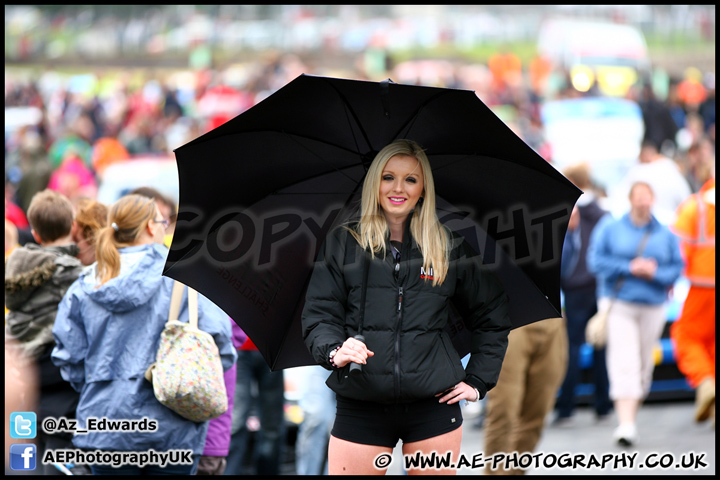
(580, 306)
(258, 393)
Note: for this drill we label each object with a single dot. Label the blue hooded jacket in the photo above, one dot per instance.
(108, 336)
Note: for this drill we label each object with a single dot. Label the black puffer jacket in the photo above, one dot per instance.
(404, 320)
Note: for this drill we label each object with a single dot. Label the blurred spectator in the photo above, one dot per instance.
(675, 105)
(107, 331)
(36, 279)
(16, 215)
(691, 90)
(34, 167)
(258, 411)
(11, 237)
(637, 317)
(707, 107)
(532, 133)
(90, 218)
(539, 72)
(21, 390)
(221, 103)
(532, 371)
(694, 127)
(105, 152)
(137, 136)
(217, 442)
(693, 333)
(317, 402)
(171, 105)
(167, 208)
(180, 131)
(579, 287)
(698, 162)
(669, 186)
(506, 69)
(660, 127)
(76, 139)
(73, 179)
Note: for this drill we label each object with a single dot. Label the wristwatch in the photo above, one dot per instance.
(331, 356)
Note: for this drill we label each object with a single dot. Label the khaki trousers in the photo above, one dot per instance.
(633, 332)
(532, 372)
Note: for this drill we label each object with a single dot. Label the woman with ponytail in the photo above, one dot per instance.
(107, 332)
(379, 298)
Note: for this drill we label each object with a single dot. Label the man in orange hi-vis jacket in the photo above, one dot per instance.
(694, 332)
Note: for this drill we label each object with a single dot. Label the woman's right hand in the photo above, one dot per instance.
(352, 350)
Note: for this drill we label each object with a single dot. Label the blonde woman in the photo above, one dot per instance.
(391, 277)
(107, 332)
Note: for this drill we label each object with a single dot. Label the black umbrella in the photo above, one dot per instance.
(259, 193)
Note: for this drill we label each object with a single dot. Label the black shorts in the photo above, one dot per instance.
(383, 425)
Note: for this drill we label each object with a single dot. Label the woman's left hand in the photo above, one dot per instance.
(461, 391)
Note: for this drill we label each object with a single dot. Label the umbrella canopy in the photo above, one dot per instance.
(259, 193)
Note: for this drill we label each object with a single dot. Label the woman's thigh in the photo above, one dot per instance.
(441, 445)
(349, 458)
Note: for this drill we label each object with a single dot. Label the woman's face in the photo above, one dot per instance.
(401, 186)
(87, 250)
(157, 227)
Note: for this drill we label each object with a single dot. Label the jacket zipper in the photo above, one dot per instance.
(397, 342)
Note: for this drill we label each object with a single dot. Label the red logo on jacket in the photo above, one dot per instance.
(426, 275)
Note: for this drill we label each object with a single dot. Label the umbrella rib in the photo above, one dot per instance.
(333, 167)
(407, 126)
(350, 111)
(411, 121)
(318, 175)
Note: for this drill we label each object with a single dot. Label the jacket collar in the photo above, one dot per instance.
(652, 224)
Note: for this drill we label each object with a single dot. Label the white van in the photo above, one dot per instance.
(605, 132)
(608, 55)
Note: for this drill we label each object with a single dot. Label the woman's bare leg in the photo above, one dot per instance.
(348, 458)
(447, 442)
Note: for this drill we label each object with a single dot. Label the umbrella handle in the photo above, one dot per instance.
(356, 368)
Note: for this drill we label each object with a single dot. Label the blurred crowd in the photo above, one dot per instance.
(63, 132)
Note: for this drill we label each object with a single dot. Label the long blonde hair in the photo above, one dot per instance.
(372, 230)
(127, 218)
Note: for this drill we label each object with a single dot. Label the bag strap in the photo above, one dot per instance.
(641, 247)
(193, 306)
(175, 301)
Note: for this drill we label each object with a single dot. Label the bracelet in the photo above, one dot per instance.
(478, 394)
(331, 356)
